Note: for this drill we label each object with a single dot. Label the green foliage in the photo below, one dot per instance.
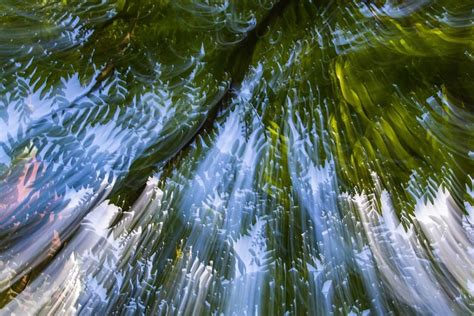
(105, 94)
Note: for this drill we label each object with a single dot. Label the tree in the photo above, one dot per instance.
(236, 156)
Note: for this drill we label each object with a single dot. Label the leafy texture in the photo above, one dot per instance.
(236, 157)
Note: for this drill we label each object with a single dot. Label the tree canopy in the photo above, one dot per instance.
(251, 156)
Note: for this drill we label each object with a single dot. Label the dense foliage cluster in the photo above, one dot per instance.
(250, 156)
